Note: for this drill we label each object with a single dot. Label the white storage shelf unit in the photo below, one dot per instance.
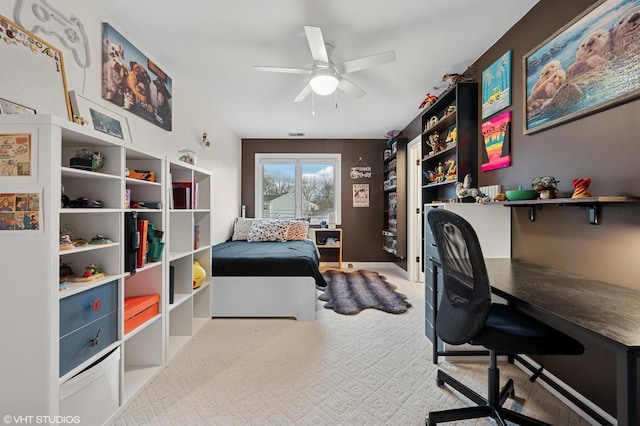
(191, 308)
(32, 372)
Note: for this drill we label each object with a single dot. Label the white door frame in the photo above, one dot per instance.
(414, 209)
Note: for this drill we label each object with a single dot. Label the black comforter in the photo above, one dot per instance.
(255, 259)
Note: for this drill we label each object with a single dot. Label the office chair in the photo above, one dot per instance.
(466, 315)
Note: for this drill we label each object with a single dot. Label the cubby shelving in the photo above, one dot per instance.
(189, 240)
(73, 331)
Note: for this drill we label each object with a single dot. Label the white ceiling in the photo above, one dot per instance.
(209, 46)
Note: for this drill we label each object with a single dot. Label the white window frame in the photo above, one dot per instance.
(298, 159)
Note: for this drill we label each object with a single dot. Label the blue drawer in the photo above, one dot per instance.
(83, 308)
(79, 346)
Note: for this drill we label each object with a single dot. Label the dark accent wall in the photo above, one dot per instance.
(604, 147)
(361, 226)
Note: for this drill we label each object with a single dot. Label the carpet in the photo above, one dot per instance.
(350, 292)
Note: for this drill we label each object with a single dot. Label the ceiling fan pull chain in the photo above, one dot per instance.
(335, 99)
(313, 104)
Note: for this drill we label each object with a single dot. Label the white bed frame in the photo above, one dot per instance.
(264, 297)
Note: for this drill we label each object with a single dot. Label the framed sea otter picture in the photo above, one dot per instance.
(587, 66)
(133, 81)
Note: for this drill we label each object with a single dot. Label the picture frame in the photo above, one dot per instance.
(13, 108)
(585, 67)
(18, 159)
(133, 81)
(39, 81)
(99, 118)
(496, 149)
(21, 211)
(496, 86)
(360, 195)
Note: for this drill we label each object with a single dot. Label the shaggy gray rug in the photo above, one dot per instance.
(350, 292)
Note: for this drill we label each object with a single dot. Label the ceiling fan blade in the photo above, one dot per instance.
(316, 44)
(282, 69)
(366, 62)
(303, 93)
(350, 88)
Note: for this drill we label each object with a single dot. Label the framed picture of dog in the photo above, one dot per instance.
(133, 81)
(587, 66)
(99, 118)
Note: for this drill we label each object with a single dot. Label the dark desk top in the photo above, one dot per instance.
(610, 311)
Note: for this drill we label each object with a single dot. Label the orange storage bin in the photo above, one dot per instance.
(138, 310)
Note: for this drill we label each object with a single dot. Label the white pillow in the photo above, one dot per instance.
(241, 228)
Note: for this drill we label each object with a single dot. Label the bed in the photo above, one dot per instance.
(265, 278)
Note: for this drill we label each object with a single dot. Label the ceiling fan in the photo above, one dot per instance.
(325, 76)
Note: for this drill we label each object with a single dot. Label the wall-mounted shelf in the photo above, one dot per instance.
(592, 203)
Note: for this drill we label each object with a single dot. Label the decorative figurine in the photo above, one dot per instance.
(428, 101)
(581, 186)
(546, 187)
(435, 143)
(465, 193)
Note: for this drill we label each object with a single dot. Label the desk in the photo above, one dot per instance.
(604, 312)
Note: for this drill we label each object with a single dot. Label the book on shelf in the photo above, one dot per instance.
(196, 237)
(181, 197)
(192, 193)
(143, 228)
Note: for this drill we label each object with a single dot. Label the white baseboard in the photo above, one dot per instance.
(569, 390)
(376, 265)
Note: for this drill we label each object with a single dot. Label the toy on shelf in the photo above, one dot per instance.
(100, 239)
(546, 187)
(581, 186)
(66, 273)
(428, 101)
(199, 274)
(436, 143)
(452, 137)
(91, 273)
(451, 169)
(466, 193)
(65, 242)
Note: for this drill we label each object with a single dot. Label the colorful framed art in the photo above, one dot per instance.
(496, 86)
(133, 81)
(589, 65)
(496, 152)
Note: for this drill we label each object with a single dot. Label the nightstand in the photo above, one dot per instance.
(329, 243)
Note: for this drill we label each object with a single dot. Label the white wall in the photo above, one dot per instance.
(191, 117)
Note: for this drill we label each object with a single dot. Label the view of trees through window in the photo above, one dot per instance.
(298, 188)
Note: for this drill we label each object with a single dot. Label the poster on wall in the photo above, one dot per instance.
(496, 86)
(587, 66)
(133, 81)
(361, 195)
(20, 211)
(497, 142)
(15, 155)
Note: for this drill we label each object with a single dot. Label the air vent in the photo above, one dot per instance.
(296, 134)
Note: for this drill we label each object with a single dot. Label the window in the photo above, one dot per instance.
(298, 185)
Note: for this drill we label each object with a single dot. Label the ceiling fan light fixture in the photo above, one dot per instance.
(324, 81)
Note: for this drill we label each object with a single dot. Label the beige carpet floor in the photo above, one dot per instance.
(372, 368)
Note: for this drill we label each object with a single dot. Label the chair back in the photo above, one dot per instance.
(466, 294)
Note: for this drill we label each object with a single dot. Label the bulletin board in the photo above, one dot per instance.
(32, 71)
